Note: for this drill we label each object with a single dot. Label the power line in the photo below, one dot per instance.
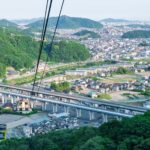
(52, 41)
(45, 24)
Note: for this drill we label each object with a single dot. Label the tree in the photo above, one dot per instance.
(122, 70)
(64, 86)
(68, 51)
(98, 143)
(2, 70)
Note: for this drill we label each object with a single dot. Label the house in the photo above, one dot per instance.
(23, 106)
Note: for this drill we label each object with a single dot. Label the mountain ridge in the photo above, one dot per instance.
(67, 22)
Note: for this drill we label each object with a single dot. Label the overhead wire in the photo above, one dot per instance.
(44, 30)
(52, 41)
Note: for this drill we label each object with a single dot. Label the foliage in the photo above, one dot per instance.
(144, 43)
(2, 70)
(122, 70)
(128, 134)
(64, 86)
(146, 92)
(87, 33)
(137, 34)
(2, 110)
(104, 96)
(17, 50)
(106, 62)
(68, 51)
(130, 96)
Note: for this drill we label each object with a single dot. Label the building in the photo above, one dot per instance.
(23, 106)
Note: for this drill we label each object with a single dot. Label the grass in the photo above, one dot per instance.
(119, 79)
(104, 96)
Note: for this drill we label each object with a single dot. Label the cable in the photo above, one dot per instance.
(45, 16)
(45, 24)
(51, 44)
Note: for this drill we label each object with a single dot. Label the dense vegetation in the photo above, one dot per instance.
(137, 34)
(68, 23)
(122, 70)
(2, 70)
(129, 134)
(68, 51)
(87, 34)
(145, 93)
(16, 50)
(144, 43)
(64, 86)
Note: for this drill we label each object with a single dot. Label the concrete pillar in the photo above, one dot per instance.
(12, 99)
(32, 105)
(105, 118)
(91, 115)
(66, 109)
(55, 108)
(44, 106)
(3, 99)
(78, 112)
(116, 109)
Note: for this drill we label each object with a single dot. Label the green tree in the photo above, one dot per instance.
(2, 70)
(98, 143)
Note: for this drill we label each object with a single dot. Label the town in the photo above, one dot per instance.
(117, 71)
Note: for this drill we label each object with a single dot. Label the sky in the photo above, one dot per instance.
(94, 9)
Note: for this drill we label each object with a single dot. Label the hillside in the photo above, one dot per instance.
(6, 23)
(68, 51)
(68, 23)
(137, 34)
(87, 33)
(17, 50)
(129, 134)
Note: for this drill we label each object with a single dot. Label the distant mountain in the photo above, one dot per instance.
(26, 21)
(111, 20)
(68, 23)
(137, 34)
(87, 33)
(6, 23)
(139, 26)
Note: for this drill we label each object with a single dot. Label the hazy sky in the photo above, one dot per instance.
(94, 9)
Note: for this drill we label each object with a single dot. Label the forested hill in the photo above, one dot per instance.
(6, 23)
(87, 33)
(68, 23)
(129, 134)
(17, 50)
(137, 34)
(68, 51)
(20, 51)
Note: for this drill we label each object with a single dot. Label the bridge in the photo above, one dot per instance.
(69, 102)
